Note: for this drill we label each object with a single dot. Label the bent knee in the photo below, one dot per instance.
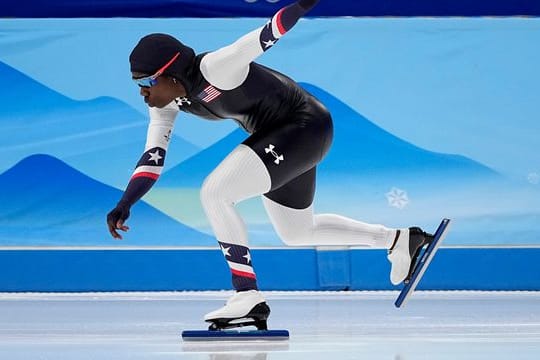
(213, 191)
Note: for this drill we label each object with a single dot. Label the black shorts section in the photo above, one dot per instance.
(291, 152)
(297, 193)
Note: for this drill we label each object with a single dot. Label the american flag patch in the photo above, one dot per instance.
(209, 93)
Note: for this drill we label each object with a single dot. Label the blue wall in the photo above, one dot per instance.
(277, 269)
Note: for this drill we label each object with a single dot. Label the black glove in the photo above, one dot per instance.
(116, 218)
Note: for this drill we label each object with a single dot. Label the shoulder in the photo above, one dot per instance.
(222, 70)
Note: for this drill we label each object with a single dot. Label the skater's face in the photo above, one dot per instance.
(159, 90)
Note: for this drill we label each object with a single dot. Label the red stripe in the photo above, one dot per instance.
(243, 274)
(146, 175)
(279, 24)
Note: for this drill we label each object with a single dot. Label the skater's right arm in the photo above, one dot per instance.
(227, 67)
(148, 168)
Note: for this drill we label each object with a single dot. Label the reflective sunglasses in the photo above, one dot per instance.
(151, 80)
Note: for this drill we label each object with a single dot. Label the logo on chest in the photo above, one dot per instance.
(182, 100)
(209, 94)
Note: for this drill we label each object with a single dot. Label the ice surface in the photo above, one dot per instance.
(323, 325)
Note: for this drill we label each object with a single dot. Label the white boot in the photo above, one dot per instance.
(238, 306)
(405, 250)
(400, 258)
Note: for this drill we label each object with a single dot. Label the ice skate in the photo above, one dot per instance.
(245, 308)
(404, 253)
(418, 266)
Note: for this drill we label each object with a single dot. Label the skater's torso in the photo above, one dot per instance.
(265, 99)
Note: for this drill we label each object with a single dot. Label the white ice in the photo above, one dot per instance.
(323, 325)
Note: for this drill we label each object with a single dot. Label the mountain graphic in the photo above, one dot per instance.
(47, 202)
(103, 137)
(361, 151)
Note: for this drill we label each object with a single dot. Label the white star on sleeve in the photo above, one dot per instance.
(268, 43)
(155, 156)
(225, 250)
(247, 256)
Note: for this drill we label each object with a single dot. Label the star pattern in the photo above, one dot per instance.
(155, 156)
(247, 257)
(397, 198)
(268, 43)
(225, 250)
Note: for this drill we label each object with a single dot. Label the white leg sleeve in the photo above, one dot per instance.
(303, 228)
(240, 176)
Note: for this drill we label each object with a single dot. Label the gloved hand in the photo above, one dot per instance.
(116, 218)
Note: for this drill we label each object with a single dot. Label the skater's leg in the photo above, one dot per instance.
(290, 209)
(301, 227)
(264, 162)
(241, 175)
(290, 154)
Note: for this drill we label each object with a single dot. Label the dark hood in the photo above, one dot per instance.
(155, 50)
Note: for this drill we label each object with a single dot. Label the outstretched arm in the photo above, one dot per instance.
(148, 168)
(227, 68)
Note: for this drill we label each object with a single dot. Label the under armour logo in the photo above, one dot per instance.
(182, 100)
(270, 149)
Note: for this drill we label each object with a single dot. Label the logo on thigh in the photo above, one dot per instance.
(270, 149)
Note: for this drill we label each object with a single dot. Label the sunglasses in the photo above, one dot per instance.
(151, 80)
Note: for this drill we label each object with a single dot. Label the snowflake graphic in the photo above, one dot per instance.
(534, 178)
(397, 198)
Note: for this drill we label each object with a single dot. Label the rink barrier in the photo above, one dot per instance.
(78, 270)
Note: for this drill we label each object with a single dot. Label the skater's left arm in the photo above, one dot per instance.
(149, 166)
(227, 68)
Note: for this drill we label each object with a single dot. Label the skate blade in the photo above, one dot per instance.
(235, 335)
(415, 260)
(423, 264)
(224, 324)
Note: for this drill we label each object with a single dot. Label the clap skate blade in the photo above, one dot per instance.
(218, 329)
(422, 261)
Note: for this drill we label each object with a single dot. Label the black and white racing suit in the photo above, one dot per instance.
(289, 130)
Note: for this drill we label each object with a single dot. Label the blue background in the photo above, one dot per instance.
(443, 110)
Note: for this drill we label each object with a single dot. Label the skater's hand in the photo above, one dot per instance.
(115, 220)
